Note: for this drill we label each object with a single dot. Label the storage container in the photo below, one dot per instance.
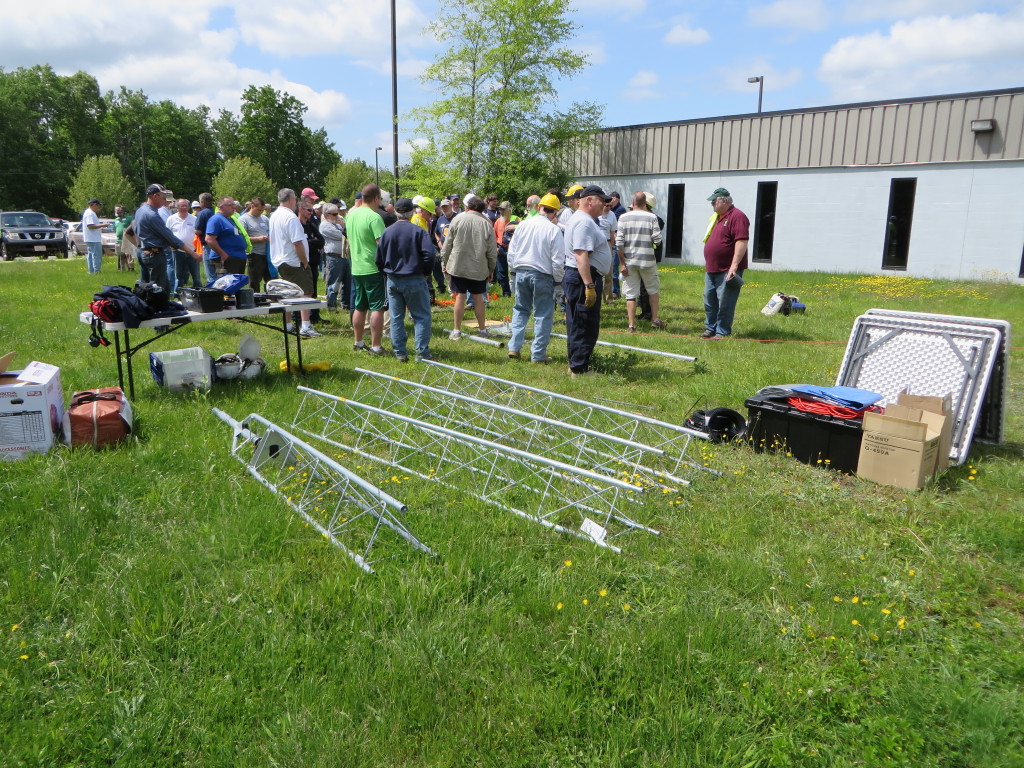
(202, 299)
(811, 438)
(181, 370)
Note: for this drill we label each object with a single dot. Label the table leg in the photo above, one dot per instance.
(128, 359)
(120, 369)
(284, 330)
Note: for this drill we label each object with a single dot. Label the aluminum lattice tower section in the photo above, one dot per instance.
(611, 455)
(551, 493)
(347, 510)
(673, 439)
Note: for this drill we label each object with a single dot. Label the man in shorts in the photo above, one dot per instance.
(289, 254)
(364, 227)
(468, 258)
(637, 236)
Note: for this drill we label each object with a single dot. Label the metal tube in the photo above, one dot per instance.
(673, 355)
(481, 339)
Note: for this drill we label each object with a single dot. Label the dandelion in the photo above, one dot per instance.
(627, 607)
(912, 572)
(855, 622)
(558, 607)
(886, 611)
(603, 593)
(975, 624)
(14, 627)
(902, 623)
(23, 657)
(568, 563)
(837, 599)
(782, 630)
(855, 599)
(874, 637)
(585, 601)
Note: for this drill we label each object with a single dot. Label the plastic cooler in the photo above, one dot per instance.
(182, 370)
(774, 425)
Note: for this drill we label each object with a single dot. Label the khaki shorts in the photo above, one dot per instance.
(301, 277)
(631, 282)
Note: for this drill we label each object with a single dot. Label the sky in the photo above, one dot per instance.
(649, 60)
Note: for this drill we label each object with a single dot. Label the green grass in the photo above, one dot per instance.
(159, 607)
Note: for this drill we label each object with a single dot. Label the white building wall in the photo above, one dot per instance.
(968, 217)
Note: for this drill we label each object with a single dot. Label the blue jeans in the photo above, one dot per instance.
(409, 291)
(535, 292)
(93, 257)
(501, 272)
(184, 268)
(172, 270)
(720, 299)
(153, 268)
(339, 281)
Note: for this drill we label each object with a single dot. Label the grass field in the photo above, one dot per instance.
(160, 607)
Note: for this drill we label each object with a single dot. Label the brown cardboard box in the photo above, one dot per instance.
(907, 446)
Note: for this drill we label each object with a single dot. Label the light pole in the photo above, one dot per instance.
(394, 92)
(760, 89)
(376, 163)
(142, 153)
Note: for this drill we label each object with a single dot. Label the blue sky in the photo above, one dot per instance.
(649, 61)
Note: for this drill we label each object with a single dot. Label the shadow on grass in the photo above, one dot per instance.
(776, 333)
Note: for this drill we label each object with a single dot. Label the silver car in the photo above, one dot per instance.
(76, 240)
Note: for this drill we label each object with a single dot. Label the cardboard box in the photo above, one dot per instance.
(31, 409)
(907, 446)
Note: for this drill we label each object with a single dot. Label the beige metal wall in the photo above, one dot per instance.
(933, 130)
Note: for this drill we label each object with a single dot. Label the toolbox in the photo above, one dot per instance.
(816, 439)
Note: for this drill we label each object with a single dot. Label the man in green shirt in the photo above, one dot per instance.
(364, 226)
(122, 219)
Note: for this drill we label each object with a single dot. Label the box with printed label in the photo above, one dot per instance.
(904, 447)
(31, 409)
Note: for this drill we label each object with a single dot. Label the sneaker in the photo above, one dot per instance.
(359, 346)
(455, 335)
(426, 358)
(716, 337)
(514, 355)
(632, 329)
(402, 358)
(483, 332)
(290, 328)
(544, 360)
(659, 324)
(310, 333)
(708, 334)
(376, 351)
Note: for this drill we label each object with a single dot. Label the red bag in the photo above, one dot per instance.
(98, 417)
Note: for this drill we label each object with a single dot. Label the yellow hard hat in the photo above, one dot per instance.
(551, 201)
(573, 189)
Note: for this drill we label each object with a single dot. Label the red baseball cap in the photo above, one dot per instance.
(308, 192)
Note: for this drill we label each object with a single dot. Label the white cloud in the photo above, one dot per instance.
(940, 54)
(684, 34)
(406, 67)
(872, 10)
(593, 49)
(641, 86)
(790, 14)
(348, 27)
(615, 7)
(734, 77)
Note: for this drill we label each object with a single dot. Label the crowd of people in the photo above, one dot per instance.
(571, 251)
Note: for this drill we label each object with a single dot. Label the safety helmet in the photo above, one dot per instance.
(551, 201)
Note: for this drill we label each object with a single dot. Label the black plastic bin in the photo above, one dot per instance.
(774, 425)
(202, 299)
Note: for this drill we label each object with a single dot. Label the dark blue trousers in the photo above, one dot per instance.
(582, 323)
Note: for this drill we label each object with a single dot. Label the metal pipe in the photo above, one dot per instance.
(673, 355)
(481, 339)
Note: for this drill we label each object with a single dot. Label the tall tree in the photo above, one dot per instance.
(243, 179)
(271, 132)
(498, 80)
(348, 177)
(101, 177)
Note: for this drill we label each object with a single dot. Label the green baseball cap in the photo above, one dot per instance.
(720, 192)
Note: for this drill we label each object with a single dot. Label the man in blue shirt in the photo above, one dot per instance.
(226, 243)
(155, 237)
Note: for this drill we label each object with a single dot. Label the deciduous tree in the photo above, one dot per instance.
(101, 177)
(243, 179)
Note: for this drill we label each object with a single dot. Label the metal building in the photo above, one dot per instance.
(928, 186)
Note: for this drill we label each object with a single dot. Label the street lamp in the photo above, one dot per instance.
(760, 89)
(142, 153)
(394, 92)
(376, 163)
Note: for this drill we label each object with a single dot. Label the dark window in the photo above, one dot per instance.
(673, 242)
(898, 223)
(764, 226)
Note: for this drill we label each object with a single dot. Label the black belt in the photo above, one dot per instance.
(152, 250)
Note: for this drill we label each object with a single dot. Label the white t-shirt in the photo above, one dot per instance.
(285, 231)
(91, 235)
(183, 229)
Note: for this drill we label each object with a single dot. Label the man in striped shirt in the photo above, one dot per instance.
(635, 239)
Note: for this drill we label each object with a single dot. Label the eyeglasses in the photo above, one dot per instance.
(306, 210)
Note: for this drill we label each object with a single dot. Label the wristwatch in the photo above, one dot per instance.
(588, 286)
